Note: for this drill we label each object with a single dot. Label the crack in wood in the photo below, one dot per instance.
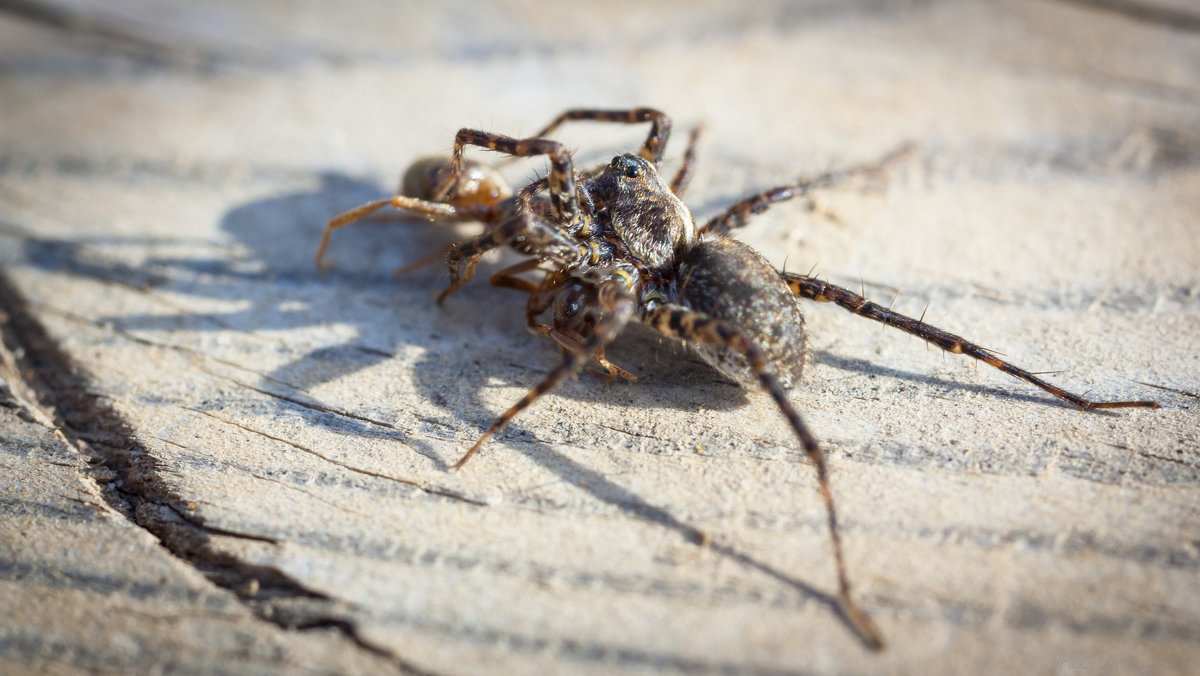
(422, 486)
(315, 406)
(141, 493)
(262, 477)
(183, 349)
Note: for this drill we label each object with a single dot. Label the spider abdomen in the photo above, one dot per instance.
(479, 184)
(728, 280)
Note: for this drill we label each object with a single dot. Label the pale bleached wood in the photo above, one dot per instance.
(288, 431)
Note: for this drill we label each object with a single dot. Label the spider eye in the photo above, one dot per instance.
(626, 165)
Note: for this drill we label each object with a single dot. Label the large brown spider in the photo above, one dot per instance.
(616, 244)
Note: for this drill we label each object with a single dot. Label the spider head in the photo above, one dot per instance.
(639, 207)
(629, 166)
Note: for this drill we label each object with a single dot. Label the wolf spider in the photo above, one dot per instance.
(616, 244)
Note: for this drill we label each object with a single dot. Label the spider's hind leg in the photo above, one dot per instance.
(812, 288)
(686, 324)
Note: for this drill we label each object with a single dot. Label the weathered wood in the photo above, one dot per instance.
(239, 464)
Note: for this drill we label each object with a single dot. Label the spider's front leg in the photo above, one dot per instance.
(685, 324)
(656, 142)
(522, 232)
(683, 177)
(618, 305)
(812, 288)
(564, 198)
(739, 214)
(548, 293)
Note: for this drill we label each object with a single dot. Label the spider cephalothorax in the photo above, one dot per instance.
(616, 244)
(636, 206)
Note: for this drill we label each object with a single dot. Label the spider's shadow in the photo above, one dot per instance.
(602, 488)
(266, 268)
(925, 380)
(263, 267)
(668, 376)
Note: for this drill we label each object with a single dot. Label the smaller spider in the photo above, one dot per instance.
(616, 244)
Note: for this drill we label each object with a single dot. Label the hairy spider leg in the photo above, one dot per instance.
(683, 177)
(619, 305)
(564, 199)
(541, 294)
(541, 298)
(739, 214)
(523, 232)
(508, 279)
(686, 324)
(812, 288)
(653, 148)
(656, 142)
(602, 368)
(431, 210)
(678, 185)
(427, 259)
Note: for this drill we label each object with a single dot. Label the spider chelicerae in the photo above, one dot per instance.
(615, 244)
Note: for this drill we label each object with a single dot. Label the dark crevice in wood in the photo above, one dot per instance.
(131, 481)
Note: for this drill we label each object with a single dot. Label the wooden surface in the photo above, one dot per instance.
(217, 459)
